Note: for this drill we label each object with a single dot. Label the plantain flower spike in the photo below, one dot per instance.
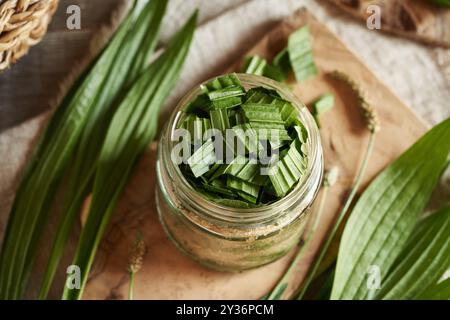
(137, 253)
(369, 113)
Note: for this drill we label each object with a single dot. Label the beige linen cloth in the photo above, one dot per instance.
(419, 75)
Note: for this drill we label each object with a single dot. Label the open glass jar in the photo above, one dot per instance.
(227, 238)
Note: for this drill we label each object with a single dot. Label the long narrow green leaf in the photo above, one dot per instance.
(38, 186)
(132, 58)
(437, 291)
(134, 125)
(423, 260)
(386, 213)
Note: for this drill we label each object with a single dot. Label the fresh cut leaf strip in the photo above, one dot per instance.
(220, 187)
(286, 172)
(219, 119)
(244, 186)
(262, 113)
(259, 96)
(248, 137)
(196, 127)
(287, 111)
(322, 105)
(300, 54)
(274, 73)
(282, 62)
(202, 158)
(254, 65)
(222, 82)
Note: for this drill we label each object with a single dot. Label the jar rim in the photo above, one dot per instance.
(224, 213)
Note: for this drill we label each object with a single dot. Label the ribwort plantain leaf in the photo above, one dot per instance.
(131, 59)
(95, 88)
(386, 213)
(422, 261)
(133, 127)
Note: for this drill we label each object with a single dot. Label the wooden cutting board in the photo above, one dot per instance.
(168, 274)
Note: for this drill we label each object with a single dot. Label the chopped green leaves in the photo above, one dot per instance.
(224, 92)
(200, 161)
(220, 119)
(250, 189)
(286, 172)
(282, 62)
(300, 54)
(297, 57)
(263, 140)
(254, 65)
(322, 105)
(274, 73)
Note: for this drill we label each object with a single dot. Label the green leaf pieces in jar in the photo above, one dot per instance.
(200, 161)
(287, 171)
(220, 119)
(250, 189)
(263, 141)
(224, 92)
(297, 56)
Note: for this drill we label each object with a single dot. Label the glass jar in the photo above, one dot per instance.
(234, 239)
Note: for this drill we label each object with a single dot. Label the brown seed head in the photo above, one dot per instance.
(137, 253)
(368, 111)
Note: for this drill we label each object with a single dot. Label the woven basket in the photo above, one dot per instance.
(23, 23)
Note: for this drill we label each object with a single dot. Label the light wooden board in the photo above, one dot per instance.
(167, 273)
